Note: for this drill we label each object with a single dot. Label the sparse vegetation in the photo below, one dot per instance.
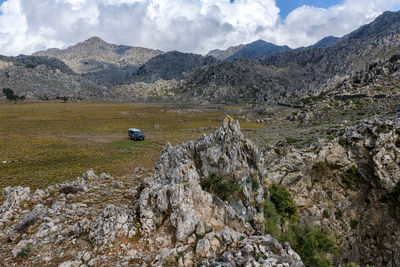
(353, 223)
(291, 140)
(312, 244)
(351, 177)
(326, 214)
(25, 251)
(30, 66)
(338, 214)
(254, 183)
(319, 169)
(342, 141)
(224, 187)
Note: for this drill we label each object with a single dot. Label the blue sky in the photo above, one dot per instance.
(286, 6)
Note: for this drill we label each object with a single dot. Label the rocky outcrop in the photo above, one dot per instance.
(340, 185)
(173, 195)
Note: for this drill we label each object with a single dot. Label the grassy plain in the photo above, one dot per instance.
(47, 143)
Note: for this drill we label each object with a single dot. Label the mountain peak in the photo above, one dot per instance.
(94, 40)
(387, 22)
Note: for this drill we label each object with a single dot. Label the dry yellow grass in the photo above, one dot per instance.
(47, 143)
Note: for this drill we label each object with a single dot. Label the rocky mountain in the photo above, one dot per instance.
(325, 42)
(296, 73)
(259, 48)
(95, 55)
(224, 54)
(252, 50)
(282, 77)
(46, 78)
(171, 65)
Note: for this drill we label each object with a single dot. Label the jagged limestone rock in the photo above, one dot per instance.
(113, 222)
(174, 192)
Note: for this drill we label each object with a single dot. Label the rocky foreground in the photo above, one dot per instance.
(205, 204)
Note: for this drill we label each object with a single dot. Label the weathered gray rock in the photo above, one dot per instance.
(113, 222)
(252, 251)
(173, 194)
(37, 213)
(13, 196)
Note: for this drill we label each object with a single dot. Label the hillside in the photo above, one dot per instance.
(95, 54)
(288, 75)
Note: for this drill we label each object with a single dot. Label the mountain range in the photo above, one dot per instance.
(250, 73)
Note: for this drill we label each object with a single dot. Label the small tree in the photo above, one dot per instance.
(64, 99)
(9, 93)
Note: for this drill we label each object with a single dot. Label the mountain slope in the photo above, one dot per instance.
(291, 74)
(42, 77)
(259, 48)
(171, 65)
(224, 54)
(94, 54)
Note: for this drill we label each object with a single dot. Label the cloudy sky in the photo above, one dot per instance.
(196, 26)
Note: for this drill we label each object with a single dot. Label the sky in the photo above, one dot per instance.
(197, 26)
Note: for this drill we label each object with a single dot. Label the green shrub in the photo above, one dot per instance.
(319, 169)
(351, 176)
(330, 137)
(25, 251)
(223, 187)
(353, 223)
(271, 218)
(326, 214)
(30, 66)
(283, 201)
(338, 214)
(311, 244)
(254, 184)
(380, 128)
(291, 140)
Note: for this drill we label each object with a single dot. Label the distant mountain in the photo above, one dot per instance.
(255, 49)
(95, 55)
(224, 54)
(325, 42)
(171, 65)
(46, 78)
(296, 73)
(259, 48)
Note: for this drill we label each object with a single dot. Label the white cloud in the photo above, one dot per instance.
(185, 25)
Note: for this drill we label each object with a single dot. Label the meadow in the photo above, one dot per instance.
(45, 143)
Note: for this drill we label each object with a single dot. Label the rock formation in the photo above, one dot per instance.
(165, 219)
